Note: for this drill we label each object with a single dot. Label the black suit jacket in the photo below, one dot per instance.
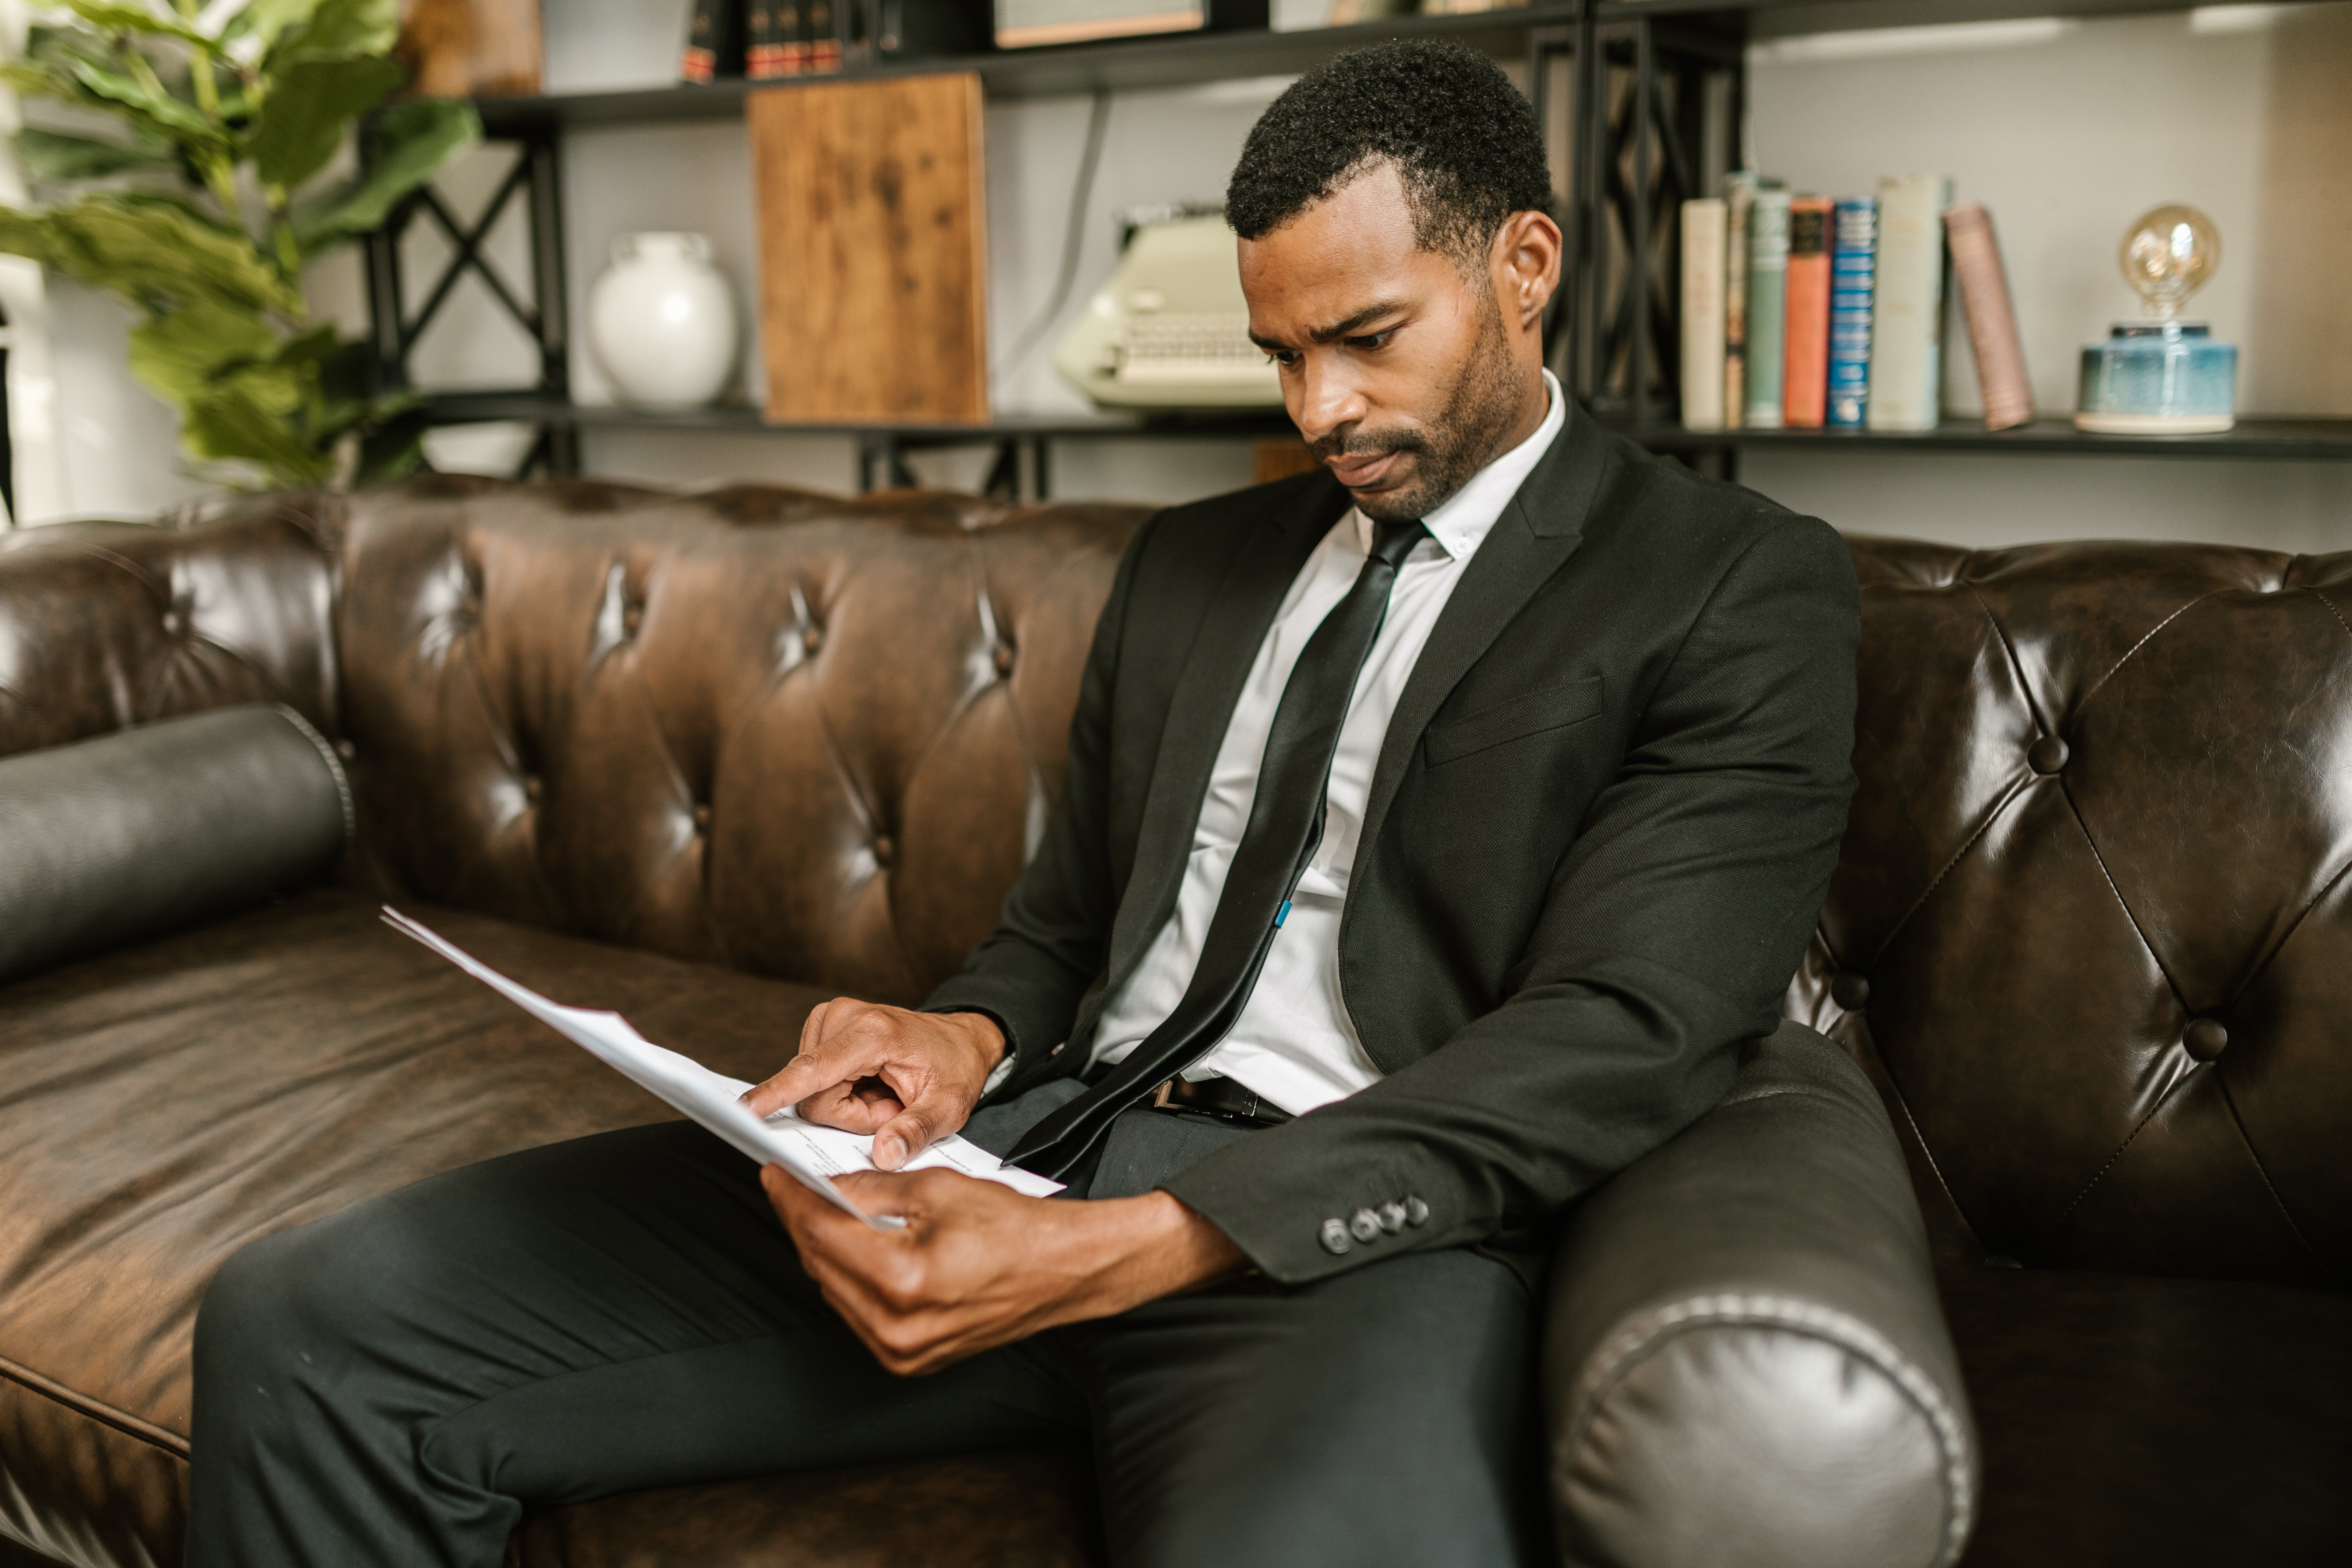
(1601, 828)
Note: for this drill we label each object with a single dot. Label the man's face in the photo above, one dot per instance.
(1398, 366)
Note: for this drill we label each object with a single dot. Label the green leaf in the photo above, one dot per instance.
(227, 422)
(114, 18)
(49, 155)
(182, 120)
(182, 353)
(28, 235)
(342, 27)
(392, 445)
(313, 103)
(409, 143)
(149, 249)
(265, 19)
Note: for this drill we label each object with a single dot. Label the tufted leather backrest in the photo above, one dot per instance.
(2090, 928)
(806, 736)
(108, 624)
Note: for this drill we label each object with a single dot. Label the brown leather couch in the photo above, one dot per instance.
(708, 760)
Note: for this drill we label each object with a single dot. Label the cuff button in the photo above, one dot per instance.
(1364, 1226)
(1415, 1211)
(1393, 1217)
(1334, 1236)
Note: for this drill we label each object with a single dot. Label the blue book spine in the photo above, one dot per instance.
(1853, 265)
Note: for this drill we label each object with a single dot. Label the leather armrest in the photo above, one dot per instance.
(1744, 1344)
(131, 835)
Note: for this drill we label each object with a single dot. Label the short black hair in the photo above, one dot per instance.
(1463, 141)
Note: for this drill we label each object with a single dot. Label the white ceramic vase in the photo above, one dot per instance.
(661, 322)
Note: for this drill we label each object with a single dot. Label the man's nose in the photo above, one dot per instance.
(1326, 399)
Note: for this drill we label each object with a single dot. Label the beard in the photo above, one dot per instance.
(1478, 410)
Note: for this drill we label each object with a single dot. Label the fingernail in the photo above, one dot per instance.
(885, 1153)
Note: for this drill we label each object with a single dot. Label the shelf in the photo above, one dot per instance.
(477, 407)
(2297, 441)
(1793, 18)
(1172, 60)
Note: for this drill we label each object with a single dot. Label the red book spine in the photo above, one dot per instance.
(1805, 371)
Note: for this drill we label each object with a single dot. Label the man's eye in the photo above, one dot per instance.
(1285, 357)
(1370, 341)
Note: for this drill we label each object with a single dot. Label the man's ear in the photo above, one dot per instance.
(1524, 263)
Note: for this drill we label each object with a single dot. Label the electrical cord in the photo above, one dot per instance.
(1073, 235)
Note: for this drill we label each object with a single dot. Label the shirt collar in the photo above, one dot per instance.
(1460, 525)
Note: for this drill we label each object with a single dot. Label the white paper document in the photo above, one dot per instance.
(813, 1154)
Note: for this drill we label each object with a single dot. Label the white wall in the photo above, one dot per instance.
(2064, 130)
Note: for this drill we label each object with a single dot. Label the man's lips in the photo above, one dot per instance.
(1362, 470)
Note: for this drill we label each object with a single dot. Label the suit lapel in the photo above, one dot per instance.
(1536, 533)
(1223, 649)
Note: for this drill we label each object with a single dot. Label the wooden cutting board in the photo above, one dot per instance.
(873, 250)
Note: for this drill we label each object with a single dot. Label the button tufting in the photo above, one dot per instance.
(2205, 1039)
(175, 624)
(2047, 754)
(1003, 657)
(811, 639)
(632, 618)
(701, 819)
(1334, 1238)
(886, 849)
(532, 789)
(346, 751)
(1850, 992)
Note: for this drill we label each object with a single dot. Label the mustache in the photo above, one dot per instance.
(1366, 444)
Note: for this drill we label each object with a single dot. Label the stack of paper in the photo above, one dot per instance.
(813, 1154)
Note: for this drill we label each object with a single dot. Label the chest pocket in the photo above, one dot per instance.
(1551, 707)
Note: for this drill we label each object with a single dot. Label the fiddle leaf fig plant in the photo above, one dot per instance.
(201, 191)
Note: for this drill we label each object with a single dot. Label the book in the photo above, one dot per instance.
(1805, 342)
(1853, 263)
(1768, 291)
(1985, 305)
(824, 56)
(811, 1155)
(770, 50)
(1702, 320)
(1907, 318)
(714, 41)
(1738, 201)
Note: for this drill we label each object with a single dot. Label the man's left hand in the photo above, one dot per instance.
(978, 1265)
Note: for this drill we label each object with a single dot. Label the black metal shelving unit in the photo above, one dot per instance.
(1657, 102)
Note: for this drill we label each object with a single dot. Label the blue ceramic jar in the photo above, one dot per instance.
(2158, 378)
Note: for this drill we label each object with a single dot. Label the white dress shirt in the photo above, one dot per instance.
(1294, 1042)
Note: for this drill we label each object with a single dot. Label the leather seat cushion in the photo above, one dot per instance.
(2155, 1422)
(162, 1106)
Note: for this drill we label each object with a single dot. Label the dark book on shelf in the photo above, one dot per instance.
(769, 50)
(823, 57)
(714, 41)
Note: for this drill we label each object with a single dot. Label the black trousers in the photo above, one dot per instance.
(394, 1384)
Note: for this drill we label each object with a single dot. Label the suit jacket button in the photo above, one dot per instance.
(1415, 1211)
(1393, 1217)
(1364, 1226)
(1334, 1238)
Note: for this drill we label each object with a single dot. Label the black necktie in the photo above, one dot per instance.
(1285, 824)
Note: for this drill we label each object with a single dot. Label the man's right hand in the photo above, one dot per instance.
(906, 1077)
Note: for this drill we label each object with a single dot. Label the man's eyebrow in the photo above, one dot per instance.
(1338, 329)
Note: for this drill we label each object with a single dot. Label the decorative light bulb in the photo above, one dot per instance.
(2168, 256)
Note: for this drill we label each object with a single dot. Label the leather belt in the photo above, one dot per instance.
(1220, 1097)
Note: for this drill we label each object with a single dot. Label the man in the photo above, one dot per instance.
(1437, 827)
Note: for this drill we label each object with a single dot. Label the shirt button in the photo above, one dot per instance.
(1415, 1211)
(1393, 1217)
(1364, 1226)
(1334, 1238)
